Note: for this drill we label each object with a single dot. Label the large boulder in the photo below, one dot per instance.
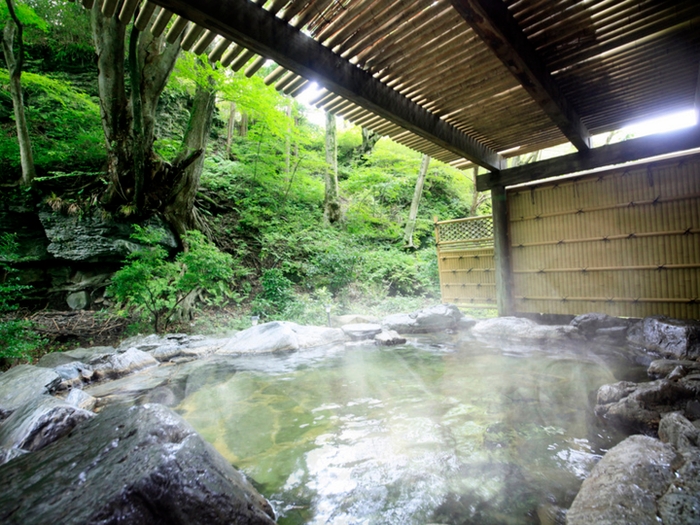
(670, 337)
(644, 480)
(638, 407)
(142, 465)
(598, 326)
(280, 336)
(432, 319)
(123, 363)
(522, 330)
(360, 331)
(40, 422)
(624, 486)
(23, 383)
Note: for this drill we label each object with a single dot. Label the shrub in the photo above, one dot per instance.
(152, 283)
(17, 339)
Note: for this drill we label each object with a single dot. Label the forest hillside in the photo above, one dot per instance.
(204, 190)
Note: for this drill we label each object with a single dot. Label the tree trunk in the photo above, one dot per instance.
(129, 124)
(14, 68)
(331, 204)
(477, 198)
(180, 210)
(229, 129)
(362, 152)
(417, 193)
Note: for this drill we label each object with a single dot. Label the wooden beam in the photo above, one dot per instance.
(501, 251)
(256, 29)
(491, 20)
(619, 153)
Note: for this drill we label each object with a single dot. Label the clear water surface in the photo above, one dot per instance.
(449, 432)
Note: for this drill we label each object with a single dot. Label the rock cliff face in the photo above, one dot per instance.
(69, 259)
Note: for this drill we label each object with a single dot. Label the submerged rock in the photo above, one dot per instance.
(142, 465)
(433, 319)
(23, 383)
(280, 336)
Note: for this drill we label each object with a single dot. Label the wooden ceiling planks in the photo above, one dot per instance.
(615, 61)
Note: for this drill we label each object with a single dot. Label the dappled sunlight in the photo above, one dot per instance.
(409, 435)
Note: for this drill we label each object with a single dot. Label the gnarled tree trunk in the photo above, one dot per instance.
(331, 202)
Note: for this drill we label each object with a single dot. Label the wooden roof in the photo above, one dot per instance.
(460, 80)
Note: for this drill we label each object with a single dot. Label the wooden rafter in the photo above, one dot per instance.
(492, 21)
(258, 30)
(619, 153)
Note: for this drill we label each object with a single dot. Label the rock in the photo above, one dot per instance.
(280, 336)
(597, 324)
(661, 368)
(140, 465)
(681, 502)
(94, 238)
(78, 300)
(7, 454)
(677, 431)
(21, 384)
(74, 375)
(522, 330)
(121, 364)
(623, 488)
(670, 337)
(39, 423)
(85, 355)
(339, 321)
(466, 323)
(80, 399)
(389, 338)
(639, 407)
(360, 331)
(433, 319)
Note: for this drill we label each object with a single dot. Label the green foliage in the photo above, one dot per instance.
(26, 15)
(276, 293)
(151, 282)
(17, 339)
(64, 126)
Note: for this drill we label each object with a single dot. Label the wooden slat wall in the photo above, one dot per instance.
(625, 242)
(465, 262)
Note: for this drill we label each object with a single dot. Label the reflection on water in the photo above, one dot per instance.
(417, 434)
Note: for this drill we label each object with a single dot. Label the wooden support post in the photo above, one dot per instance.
(501, 240)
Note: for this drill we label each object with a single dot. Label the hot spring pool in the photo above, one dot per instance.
(450, 432)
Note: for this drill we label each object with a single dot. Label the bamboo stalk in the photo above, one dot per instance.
(242, 60)
(192, 35)
(655, 267)
(275, 75)
(109, 7)
(689, 231)
(676, 300)
(128, 10)
(231, 55)
(219, 50)
(255, 66)
(203, 43)
(176, 29)
(161, 22)
(145, 15)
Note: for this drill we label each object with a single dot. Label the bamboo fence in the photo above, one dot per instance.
(625, 242)
(465, 261)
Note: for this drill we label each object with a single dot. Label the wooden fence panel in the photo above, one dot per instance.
(465, 262)
(624, 242)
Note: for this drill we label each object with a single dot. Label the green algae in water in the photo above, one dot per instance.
(408, 435)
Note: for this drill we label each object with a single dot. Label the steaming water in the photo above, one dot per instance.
(451, 433)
